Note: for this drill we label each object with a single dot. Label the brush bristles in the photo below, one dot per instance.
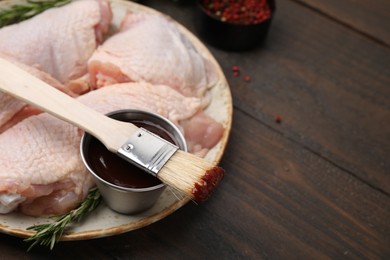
(190, 174)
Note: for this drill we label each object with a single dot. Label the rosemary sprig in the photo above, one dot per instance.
(20, 12)
(48, 234)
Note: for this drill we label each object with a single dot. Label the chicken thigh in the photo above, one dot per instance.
(60, 40)
(150, 48)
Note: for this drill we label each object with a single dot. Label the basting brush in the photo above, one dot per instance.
(180, 170)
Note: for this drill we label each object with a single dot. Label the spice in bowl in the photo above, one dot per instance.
(241, 12)
(234, 25)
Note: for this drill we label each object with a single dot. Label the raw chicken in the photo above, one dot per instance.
(150, 48)
(201, 131)
(33, 171)
(13, 110)
(60, 40)
(34, 177)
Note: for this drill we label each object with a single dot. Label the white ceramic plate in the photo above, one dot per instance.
(103, 221)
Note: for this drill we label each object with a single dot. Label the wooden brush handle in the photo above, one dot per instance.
(20, 84)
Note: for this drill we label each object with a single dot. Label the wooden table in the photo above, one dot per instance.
(317, 184)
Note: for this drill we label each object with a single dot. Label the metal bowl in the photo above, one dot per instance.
(123, 199)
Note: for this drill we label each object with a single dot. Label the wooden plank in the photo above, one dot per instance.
(332, 93)
(329, 84)
(305, 204)
(370, 18)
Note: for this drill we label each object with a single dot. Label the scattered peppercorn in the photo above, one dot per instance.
(246, 78)
(238, 11)
(236, 71)
(278, 119)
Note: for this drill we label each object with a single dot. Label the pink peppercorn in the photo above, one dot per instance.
(236, 71)
(238, 11)
(246, 78)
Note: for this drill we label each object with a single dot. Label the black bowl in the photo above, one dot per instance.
(231, 36)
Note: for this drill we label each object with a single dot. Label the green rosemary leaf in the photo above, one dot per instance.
(49, 234)
(20, 12)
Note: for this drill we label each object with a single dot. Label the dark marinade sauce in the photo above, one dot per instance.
(118, 171)
(203, 189)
